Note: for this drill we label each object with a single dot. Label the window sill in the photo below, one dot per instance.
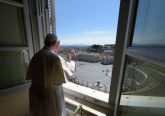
(142, 101)
(13, 89)
(88, 92)
(91, 98)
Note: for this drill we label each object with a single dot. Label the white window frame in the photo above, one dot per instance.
(28, 47)
(125, 31)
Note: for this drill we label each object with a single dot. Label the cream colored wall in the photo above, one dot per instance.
(14, 103)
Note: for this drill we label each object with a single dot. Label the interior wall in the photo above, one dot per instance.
(14, 103)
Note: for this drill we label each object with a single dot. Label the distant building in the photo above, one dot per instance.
(106, 60)
(88, 57)
(107, 47)
(109, 52)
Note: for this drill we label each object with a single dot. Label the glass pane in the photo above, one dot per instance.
(13, 66)
(143, 78)
(143, 89)
(150, 26)
(12, 30)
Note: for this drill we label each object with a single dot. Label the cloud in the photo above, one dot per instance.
(93, 37)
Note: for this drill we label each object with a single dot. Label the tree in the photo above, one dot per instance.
(96, 48)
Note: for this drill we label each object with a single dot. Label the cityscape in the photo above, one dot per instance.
(93, 65)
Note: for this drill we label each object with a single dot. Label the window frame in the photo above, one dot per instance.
(28, 35)
(142, 53)
(25, 9)
(124, 32)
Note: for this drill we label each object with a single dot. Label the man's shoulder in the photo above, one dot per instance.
(52, 55)
(55, 56)
(42, 54)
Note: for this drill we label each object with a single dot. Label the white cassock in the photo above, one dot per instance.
(46, 70)
(68, 67)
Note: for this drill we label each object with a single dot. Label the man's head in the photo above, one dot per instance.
(52, 41)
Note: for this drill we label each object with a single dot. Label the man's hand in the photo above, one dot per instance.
(72, 55)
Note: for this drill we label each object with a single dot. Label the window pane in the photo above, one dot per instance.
(143, 78)
(12, 30)
(13, 66)
(143, 89)
(150, 26)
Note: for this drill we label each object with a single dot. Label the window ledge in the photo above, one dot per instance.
(88, 92)
(91, 98)
(13, 89)
(142, 101)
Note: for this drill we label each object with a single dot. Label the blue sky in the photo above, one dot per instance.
(86, 21)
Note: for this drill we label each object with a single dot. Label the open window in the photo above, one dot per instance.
(89, 27)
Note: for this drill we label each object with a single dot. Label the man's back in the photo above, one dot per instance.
(45, 69)
(46, 93)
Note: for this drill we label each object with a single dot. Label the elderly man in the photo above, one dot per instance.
(46, 70)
